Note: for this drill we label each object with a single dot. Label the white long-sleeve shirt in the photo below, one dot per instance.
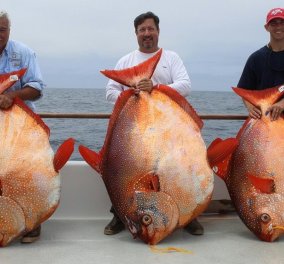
(169, 71)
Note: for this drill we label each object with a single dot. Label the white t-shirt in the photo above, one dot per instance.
(169, 71)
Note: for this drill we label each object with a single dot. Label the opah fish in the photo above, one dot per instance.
(154, 160)
(29, 178)
(254, 173)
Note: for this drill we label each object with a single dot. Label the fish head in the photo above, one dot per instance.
(270, 226)
(264, 221)
(156, 216)
(263, 216)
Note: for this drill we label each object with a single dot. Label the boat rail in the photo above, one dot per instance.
(107, 115)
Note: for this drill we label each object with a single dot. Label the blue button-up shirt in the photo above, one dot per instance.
(17, 56)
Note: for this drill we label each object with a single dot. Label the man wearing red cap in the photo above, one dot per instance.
(265, 67)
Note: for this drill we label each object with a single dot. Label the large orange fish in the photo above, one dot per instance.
(29, 178)
(154, 160)
(254, 174)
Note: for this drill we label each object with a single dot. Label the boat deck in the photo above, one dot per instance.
(74, 234)
(226, 240)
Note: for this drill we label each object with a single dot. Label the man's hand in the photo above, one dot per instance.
(145, 85)
(5, 101)
(275, 110)
(254, 112)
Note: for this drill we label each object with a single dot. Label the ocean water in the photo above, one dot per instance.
(92, 132)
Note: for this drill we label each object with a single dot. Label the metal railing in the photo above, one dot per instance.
(107, 115)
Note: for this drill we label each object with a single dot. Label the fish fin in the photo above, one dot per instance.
(30, 112)
(148, 182)
(91, 157)
(264, 185)
(182, 102)
(259, 97)
(8, 79)
(130, 76)
(244, 126)
(220, 149)
(63, 154)
(219, 155)
(214, 143)
(118, 107)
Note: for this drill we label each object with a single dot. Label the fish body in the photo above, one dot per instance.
(29, 177)
(254, 173)
(154, 162)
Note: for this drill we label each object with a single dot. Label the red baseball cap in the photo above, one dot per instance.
(277, 12)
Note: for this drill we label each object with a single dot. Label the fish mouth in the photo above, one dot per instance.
(132, 227)
(272, 233)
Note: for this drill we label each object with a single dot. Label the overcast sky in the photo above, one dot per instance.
(75, 39)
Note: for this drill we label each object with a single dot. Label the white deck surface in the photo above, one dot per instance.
(226, 240)
(75, 234)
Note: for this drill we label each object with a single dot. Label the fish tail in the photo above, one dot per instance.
(91, 157)
(8, 79)
(130, 76)
(63, 154)
(261, 97)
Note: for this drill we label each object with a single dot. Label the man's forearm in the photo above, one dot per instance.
(26, 93)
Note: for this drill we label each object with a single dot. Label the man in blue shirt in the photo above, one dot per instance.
(265, 67)
(15, 56)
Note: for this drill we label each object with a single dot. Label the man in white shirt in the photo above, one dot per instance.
(169, 71)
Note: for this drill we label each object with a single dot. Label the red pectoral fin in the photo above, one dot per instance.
(148, 182)
(63, 154)
(91, 157)
(219, 154)
(264, 185)
(220, 149)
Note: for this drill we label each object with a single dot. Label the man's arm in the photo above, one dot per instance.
(27, 93)
(181, 81)
(113, 90)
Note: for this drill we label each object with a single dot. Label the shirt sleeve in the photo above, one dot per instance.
(181, 82)
(32, 77)
(113, 88)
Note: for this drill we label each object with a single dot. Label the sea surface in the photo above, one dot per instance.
(92, 132)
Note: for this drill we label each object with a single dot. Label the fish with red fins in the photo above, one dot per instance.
(154, 160)
(29, 171)
(254, 172)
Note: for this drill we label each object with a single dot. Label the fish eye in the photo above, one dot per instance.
(265, 218)
(146, 220)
